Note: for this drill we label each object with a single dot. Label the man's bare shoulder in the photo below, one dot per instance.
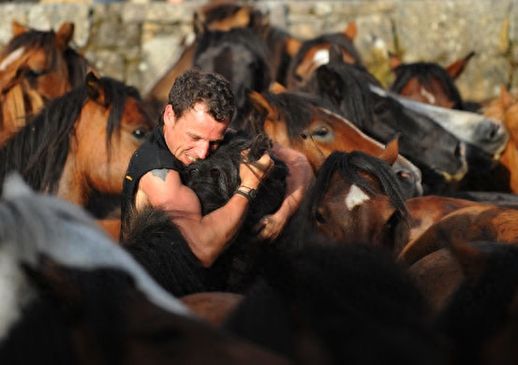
(160, 179)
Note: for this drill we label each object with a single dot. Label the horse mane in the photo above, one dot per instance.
(425, 73)
(350, 166)
(77, 67)
(348, 298)
(352, 80)
(34, 39)
(216, 178)
(156, 242)
(333, 39)
(39, 150)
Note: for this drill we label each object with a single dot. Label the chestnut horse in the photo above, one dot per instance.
(35, 67)
(80, 144)
(307, 124)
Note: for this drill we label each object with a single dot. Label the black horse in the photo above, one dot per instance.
(157, 244)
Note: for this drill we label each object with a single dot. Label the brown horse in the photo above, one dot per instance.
(35, 67)
(505, 109)
(304, 123)
(357, 198)
(313, 53)
(428, 82)
(78, 147)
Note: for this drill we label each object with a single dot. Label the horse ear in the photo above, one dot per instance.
(456, 68)
(94, 88)
(18, 28)
(277, 88)
(292, 46)
(260, 101)
(506, 99)
(391, 152)
(351, 31)
(394, 61)
(64, 34)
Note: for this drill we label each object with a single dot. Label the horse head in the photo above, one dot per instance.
(307, 124)
(318, 51)
(40, 65)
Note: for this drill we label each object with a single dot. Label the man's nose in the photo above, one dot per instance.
(202, 149)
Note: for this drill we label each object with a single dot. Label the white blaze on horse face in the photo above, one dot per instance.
(15, 291)
(13, 56)
(355, 197)
(428, 96)
(321, 58)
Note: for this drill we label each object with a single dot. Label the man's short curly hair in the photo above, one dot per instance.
(196, 86)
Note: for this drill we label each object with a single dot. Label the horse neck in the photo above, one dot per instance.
(72, 185)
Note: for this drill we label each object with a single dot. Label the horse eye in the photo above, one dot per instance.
(139, 133)
(30, 73)
(319, 217)
(304, 135)
(320, 132)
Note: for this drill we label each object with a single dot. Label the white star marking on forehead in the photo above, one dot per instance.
(13, 56)
(355, 197)
(321, 57)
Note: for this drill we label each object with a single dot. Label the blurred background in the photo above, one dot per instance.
(138, 40)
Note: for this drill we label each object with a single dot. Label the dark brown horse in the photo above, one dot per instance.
(35, 67)
(429, 82)
(315, 52)
(78, 147)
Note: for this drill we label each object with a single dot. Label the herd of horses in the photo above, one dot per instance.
(404, 249)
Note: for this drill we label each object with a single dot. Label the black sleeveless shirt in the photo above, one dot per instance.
(153, 154)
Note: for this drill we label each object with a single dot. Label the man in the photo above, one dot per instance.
(194, 122)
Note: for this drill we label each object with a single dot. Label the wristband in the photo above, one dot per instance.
(247, 192)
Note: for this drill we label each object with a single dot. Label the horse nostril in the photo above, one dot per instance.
(458, 151)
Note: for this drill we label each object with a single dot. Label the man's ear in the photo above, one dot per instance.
(169, 116)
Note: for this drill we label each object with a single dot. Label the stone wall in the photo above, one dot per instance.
(137, 41)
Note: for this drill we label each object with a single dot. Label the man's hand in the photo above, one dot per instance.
(270, 226)
(252, 173)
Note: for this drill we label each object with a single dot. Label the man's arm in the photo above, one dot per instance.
(207, 236)
(297, 182)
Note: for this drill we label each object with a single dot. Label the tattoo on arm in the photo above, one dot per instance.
(161, 173)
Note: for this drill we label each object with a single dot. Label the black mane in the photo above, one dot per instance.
(39, 150)
(425, 73)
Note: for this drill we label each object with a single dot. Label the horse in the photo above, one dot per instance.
(359, 97)
(356, 198)
(152, 238)
(220, 16)
(335, 304)
(73, 297)
(35, 67)
(240, 55)
(315, 52)
(480, 319)
(78, 147)
(309, 125)
(505, 109)
(429, 82)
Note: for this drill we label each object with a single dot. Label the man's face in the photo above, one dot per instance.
(194, 135)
